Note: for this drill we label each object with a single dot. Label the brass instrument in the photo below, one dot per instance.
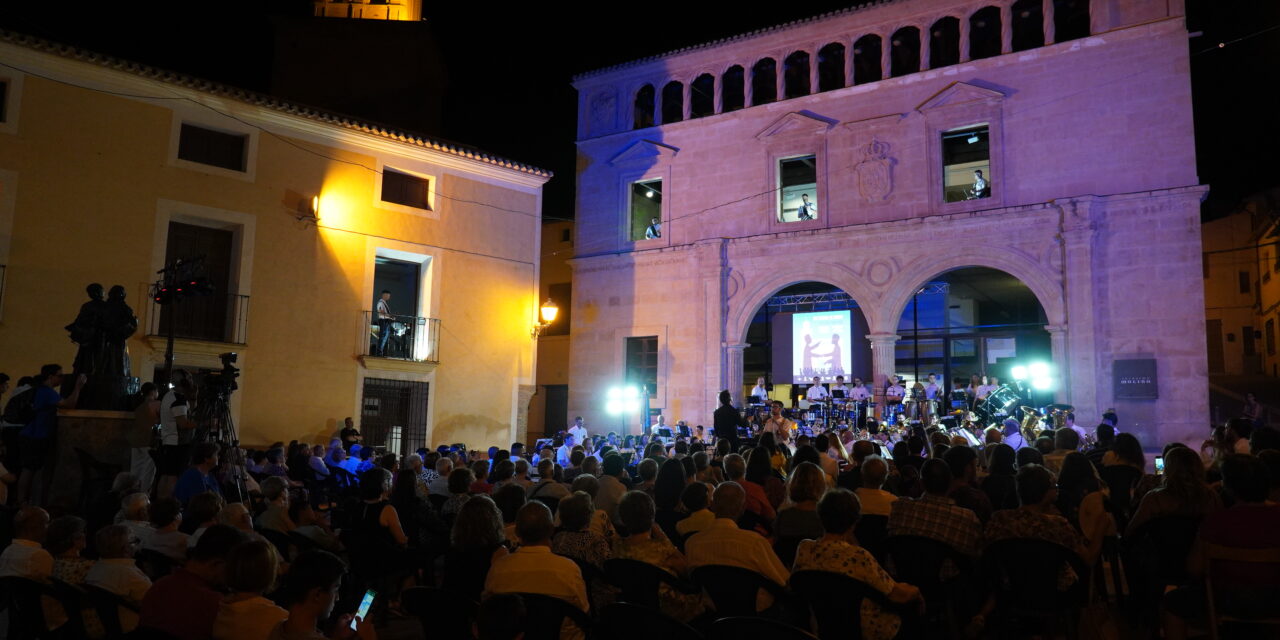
(1030, 424)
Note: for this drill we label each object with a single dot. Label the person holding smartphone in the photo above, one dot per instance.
(310, 591)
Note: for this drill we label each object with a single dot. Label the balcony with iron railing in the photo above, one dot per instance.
(407, 338)
(216, 318)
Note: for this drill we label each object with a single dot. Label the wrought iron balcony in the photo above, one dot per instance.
(216, 318)
(409, 338)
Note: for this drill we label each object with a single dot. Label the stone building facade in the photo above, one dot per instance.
(1091, 199)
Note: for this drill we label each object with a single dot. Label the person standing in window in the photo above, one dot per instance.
(654, 230)
(807, 210)
(981, 188)
(383, 312)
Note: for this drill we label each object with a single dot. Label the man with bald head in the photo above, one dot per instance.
(723, 543)
(25, 557)
(534, 569)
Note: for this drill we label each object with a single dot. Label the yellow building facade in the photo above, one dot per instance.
(108, 171)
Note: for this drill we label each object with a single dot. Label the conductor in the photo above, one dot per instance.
(727, 420)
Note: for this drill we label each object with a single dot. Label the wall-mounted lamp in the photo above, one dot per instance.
(309, 211)
(547, 314)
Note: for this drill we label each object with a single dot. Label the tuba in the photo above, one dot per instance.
(1030, 424)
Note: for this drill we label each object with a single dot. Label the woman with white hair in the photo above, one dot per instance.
(117, 572)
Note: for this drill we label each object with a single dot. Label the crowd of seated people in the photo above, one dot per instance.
(285, 543)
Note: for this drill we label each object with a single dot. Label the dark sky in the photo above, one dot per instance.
(509, 67)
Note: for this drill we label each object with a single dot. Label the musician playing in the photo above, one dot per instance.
(839, 386)
(895, 391)
(777, 424)
(931, 388)
(859, 391)
(760, 391)
(817, 392)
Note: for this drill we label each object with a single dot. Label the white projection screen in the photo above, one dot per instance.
(820, 346)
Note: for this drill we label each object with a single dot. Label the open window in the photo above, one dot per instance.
(212, 147)
(966, 163)
(646, 210)
(642, 363)
(406, 189)
(798, 189)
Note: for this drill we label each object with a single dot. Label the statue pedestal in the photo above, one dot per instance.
(101, 435)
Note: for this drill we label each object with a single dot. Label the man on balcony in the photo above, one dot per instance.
(382, 314)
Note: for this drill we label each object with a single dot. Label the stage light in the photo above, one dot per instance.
(1042, 384)
(972, 139)
(1019, 372)
(1038, 370)
(649, 193)
(622, 400)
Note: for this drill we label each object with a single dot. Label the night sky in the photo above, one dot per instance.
(509, 67)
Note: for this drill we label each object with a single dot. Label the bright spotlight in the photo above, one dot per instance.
(1019, 372)
(1038, 370)
(621, 400)
(1042, 384)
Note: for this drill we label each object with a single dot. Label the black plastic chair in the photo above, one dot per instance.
(626, 621)
(545, 615)
(785, 548)
(280, 540)
(552, 503)
(443, 613)
(593, 576)
(733, 590)
(1024, 578)
(153, 563)
(752, 628)
(21, 599)
(835, 601)
(872, 532)
(918, 561)
(1155, 556)
(107, 605)
(639, 581)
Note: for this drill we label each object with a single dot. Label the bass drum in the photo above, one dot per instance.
(999, 404)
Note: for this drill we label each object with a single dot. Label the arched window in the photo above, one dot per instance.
(643, 107)
(795, 75)
(904, 57)
(1070, 19)
(673, 102)
(866, 59)
(702, 96)
(831, 67)
(1028, 24)
(764, 82)
(733, 89)
(944, 43)
(984, 33)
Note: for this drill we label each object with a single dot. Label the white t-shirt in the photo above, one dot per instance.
(760, 392)
(817, 392)
(931, 391)
(859, 393)
(894, 391)
(172, 406)
(579, 434)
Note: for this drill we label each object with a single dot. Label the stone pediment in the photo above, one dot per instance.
(960, 93)
(644, 151)
(796, 123)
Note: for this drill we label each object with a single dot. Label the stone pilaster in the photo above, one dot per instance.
(733, 371)
(926, 39)
(1048, 22)
(1006, 28)
(964, 38)
(1079, 238)
(883, 358)
(1061, 363)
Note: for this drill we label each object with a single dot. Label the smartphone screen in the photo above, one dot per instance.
(365, 604)
(1159, 465)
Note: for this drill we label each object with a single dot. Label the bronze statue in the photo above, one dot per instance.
(102, 329)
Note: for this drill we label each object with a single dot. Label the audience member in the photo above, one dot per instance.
(1182, 491)
(963, 462)
(439, 485)
(135, 508)
(314, 526)
(476, 540)
(936, 516)
(532, 568)
(575, 540)
(723, 543)
(999, 485)
(115, 571)
(25, 557)
(275, 494)
(547, 486)
(837, 551)
(872, 498)
(164, 537)
(1064, 441)
(245, 613)
(638, 542)
(501, 617)
(185, 603)
(1036, 518)
(460, 482)
(198, 478)
(798, 519)
(694, 499)
(65, 540)
(666, 496)
(310, 591)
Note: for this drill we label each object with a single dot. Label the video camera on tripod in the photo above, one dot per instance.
(213, 413)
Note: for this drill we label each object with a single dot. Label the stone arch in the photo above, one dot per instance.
(1027, 17)
(733, 88)
(984, 33)
(642, 107)
(904, 51)
(673, 102)
(764, 81)
(944, 42)
(1042, 281)
(742, 308)
(831, 71)
(795, 75)
(702, 96)
(866, 59)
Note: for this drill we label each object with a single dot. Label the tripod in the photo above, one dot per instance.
(216, 425)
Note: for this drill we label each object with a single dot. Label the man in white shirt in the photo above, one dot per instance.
(382, 311)
(778, 425)
(1071, 424)
(723, 543)
(895, 389)
(660, 424)
(859, 390)
(931, 387)
(562, 454)
(578, 431)
(759, 391)
(839, 386)
(25, 557)
(817, 392)
(532, 568)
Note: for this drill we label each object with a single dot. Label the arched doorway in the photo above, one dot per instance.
(972, 321)
(805, 330)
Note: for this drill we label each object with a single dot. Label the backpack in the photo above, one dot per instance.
(21, 408)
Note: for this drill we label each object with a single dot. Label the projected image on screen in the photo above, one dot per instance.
(819, 346)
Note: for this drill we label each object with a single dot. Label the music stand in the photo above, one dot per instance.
(838, 394)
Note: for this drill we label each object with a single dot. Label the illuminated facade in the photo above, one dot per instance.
(401, 10)
(874, 149)
(97, 184)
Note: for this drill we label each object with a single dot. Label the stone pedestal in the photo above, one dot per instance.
(100, 434)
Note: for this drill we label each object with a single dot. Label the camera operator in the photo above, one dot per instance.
(177, 430)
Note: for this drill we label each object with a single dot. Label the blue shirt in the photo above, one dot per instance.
(46, 403)
(192, 483)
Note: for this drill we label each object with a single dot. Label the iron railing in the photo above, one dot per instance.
(215, 318)
(410, 338)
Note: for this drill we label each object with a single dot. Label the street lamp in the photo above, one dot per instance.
(547, 314)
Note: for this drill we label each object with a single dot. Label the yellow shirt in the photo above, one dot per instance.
(536, 570)
(697, 521)
(723, 543)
